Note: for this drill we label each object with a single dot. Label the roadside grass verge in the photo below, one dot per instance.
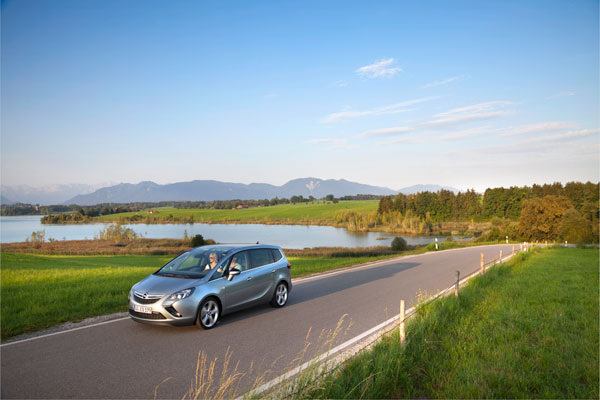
(526, 329)
(42, 291)
(39, 292)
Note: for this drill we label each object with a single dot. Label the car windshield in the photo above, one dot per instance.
(194, 264)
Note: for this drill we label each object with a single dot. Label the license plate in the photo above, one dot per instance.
(142, 309)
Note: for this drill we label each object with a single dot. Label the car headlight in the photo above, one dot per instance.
(181, 294)
(178, 296)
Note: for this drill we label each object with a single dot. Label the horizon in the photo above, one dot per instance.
(468, 95)
(99, 185)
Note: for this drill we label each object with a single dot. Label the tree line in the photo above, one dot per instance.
(543, 212)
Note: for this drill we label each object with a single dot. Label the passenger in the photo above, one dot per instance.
(235, 264)
(212, 261)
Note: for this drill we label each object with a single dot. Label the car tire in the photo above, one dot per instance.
(208, 313)
(280, 296)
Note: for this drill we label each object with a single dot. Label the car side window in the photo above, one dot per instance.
(261, 257)
(276, 255)
(240, 261)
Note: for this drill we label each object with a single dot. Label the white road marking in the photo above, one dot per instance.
(65, 331)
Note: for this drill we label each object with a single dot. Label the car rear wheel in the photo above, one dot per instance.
(280, 296)
(208, 314)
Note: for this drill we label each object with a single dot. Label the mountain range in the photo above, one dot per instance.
(198, 190)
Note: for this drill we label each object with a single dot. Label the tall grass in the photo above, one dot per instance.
(526, 329)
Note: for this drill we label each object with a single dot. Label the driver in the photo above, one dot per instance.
(212, 261)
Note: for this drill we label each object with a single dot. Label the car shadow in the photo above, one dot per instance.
(311, 290)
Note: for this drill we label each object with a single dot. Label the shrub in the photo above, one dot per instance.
(197, 240)
(117, 234)
(399, 244)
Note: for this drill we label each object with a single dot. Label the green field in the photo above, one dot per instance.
(281, 213)
(41, 291)
(527, 329)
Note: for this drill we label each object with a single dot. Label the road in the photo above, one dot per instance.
(125, 359)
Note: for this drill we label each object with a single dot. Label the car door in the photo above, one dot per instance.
(237, 291)
(261, 260)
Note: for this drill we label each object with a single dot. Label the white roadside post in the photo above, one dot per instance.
(506, 239)
(402, 330)
(436, 244)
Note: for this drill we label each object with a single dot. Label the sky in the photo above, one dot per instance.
(467, 94)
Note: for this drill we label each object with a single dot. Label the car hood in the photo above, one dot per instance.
(164, 285)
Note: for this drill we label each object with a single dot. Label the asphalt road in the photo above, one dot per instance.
(125, 359)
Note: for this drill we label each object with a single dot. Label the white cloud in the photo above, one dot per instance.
(483, 130)
(539, 127)
(333, 144)
(391, 109)
(475, 112)
(379, 69)
(386, 131)
(563, 136)
(441, 82)
(327, 141)
(476, 108)
(568, 93)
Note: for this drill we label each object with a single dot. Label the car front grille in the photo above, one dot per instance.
(154, 315)
(141, 300)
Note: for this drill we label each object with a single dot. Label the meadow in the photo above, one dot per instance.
(313, 212)
(42, 291)
(528, 328)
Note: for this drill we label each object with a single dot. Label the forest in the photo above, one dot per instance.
(539, 212)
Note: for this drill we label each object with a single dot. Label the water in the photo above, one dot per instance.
(17, 229)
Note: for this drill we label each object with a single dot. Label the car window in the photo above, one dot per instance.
(261, 257)
(240, 261)
(276, 255)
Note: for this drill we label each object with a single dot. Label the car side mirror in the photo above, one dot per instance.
(233, 272)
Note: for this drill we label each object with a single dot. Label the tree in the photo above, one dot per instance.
(541, 218)
(575, 228)
(329, 197)
(385, 205)
(399, 244)
(197, 240)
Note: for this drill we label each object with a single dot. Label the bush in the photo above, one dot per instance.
(117, 234)
(399, 244)
(197, 240)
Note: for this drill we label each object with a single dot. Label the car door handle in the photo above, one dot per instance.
(249, 279)
(273, 271)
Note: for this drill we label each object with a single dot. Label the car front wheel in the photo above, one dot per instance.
(280, 296)
(209, 313)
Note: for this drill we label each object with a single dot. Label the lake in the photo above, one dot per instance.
(17, 229)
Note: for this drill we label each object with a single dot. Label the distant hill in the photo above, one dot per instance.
(4, 200)
(208, 190)
(426, 188)
(47, 195)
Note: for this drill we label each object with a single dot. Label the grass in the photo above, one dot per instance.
(41, 291)
(526, 329)
(284, 213)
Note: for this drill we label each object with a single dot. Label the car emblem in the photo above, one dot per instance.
(145, 295)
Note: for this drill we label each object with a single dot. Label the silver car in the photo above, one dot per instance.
(207, 282)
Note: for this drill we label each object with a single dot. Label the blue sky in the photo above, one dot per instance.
(468, 94)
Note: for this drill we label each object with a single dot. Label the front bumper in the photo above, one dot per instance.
(181, 312)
